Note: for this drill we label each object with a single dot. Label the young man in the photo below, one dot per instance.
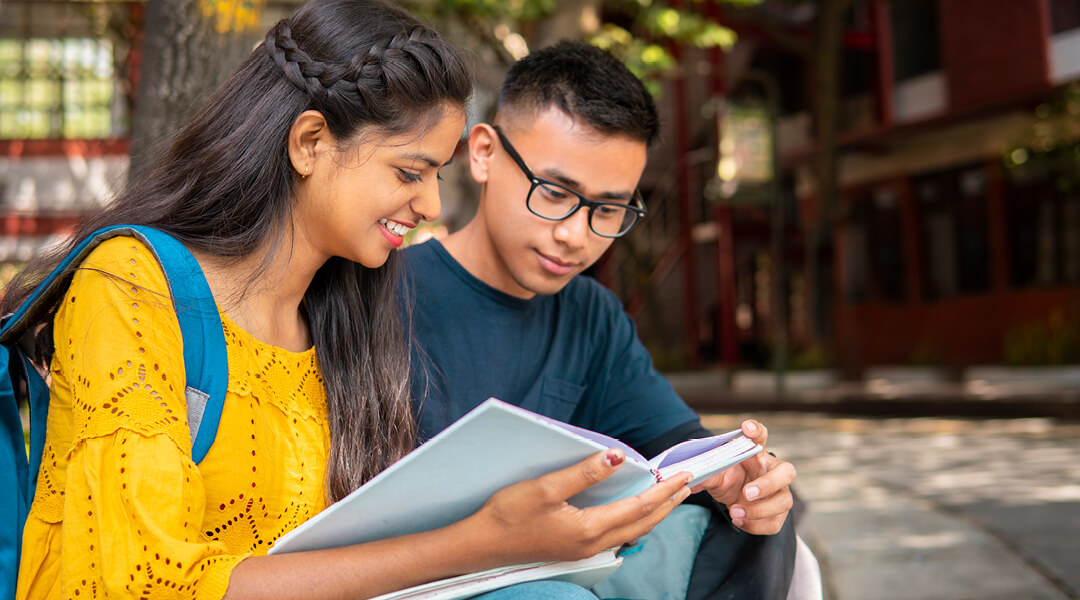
(500, 310)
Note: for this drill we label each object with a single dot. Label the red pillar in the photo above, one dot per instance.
(725, 238)
(997, 218)
(682, 144)
(879, 12)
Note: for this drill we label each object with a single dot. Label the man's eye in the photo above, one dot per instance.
(554, 193)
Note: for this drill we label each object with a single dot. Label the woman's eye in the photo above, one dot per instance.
(408, 177)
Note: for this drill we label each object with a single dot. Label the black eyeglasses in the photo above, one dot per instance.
(555, 202)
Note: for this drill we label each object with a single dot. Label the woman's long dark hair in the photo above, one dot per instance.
(225, 188)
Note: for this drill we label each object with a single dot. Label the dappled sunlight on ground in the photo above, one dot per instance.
(951, 461)
(905, 509)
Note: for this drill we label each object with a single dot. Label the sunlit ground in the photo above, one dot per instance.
(936, 508)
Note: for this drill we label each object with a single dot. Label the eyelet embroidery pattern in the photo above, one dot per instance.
(263, 377)
(262, 477)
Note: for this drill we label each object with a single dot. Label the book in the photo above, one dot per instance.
(493, 446)
(586, 573)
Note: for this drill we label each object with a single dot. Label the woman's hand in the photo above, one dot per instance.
(532, 521)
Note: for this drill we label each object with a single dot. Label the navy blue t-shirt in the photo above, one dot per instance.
(573, 356)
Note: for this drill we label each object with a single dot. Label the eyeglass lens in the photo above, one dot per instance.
(554, 202)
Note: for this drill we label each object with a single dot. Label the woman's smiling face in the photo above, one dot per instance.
(358, 201)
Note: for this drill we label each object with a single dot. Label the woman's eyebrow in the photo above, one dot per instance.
(417, 156)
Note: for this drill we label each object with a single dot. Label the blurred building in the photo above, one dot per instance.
(64, 114)
(956, 230)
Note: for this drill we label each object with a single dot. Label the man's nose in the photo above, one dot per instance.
(574, 230)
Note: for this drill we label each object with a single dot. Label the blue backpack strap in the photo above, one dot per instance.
(205, 363)
(19, 481)
(19, 378)
(205, 358)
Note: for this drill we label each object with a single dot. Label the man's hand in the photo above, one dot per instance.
(756, 491)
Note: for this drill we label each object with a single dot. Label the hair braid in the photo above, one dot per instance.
(298, 67)
(372, 74)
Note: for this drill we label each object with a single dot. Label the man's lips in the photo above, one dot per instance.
(554, 265)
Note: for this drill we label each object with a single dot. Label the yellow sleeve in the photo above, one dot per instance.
(119, 498)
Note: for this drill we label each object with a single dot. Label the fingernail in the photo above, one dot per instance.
(688, 479)
(614, 459)
(737, 522)
(683, 493)
(751, 428)
(738, 513)
(752, 492)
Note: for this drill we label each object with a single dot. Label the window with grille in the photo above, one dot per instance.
(65, 68)
(56, 88)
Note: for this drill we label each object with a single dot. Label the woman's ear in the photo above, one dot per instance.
(309, 137)
(481, 149)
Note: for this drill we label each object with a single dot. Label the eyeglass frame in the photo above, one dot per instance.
(535, 181)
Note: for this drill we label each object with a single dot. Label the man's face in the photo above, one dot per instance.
(532, 255)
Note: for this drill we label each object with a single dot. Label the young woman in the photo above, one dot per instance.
(292, 187)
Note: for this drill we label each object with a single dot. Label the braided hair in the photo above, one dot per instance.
(225, 188)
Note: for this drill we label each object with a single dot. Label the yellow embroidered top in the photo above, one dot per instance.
(121, 510)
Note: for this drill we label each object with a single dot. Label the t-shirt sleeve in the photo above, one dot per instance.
(627, 397)
(123, 498)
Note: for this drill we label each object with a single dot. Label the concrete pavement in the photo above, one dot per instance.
(935, 508)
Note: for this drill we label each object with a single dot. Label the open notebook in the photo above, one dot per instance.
(495, 445)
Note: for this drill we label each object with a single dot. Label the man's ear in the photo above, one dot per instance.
(309, 137)
(481, 148)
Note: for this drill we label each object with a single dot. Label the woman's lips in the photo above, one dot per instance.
(394, 231)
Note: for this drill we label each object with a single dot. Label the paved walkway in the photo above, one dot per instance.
(927, 509)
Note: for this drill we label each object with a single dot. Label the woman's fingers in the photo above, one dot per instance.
(655, 500)
(631, 518)
(534, 520)
(566, 483)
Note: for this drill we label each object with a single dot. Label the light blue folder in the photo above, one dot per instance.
(493, 446)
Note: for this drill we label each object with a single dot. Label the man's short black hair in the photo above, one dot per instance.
(585, 82)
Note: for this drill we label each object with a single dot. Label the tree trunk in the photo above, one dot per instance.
(826, 67)
(187, 52)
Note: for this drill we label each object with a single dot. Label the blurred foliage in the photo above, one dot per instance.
(925, 353)
(640, 32)
(810, 358)
(1049, 342)
(669, 358)
(233, 15)
(1052, 145)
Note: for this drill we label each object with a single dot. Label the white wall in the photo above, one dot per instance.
(1065, 56)
(919, 97)
(59, 183)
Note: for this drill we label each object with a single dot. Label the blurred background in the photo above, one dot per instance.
(864, 227)
(846, 190)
